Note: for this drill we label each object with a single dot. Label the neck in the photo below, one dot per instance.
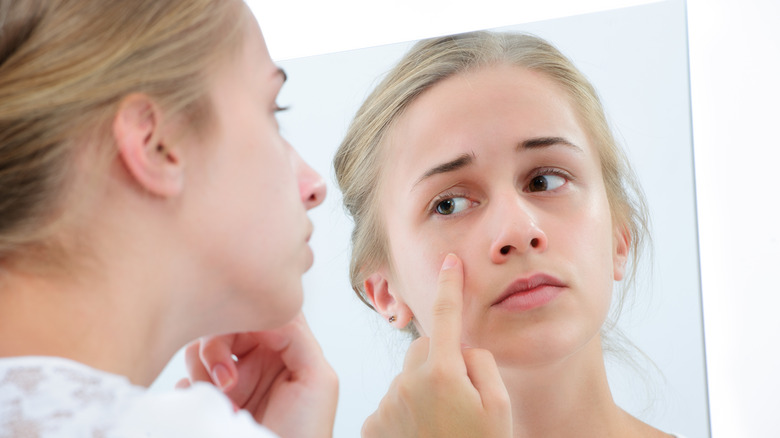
(116, 301)
(106, 321)
(574, 389)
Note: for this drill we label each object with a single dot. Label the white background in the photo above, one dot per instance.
(734, 51)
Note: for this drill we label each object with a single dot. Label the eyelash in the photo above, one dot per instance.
(443, 197)
(280, 109)
(551, 171)
(536, 173)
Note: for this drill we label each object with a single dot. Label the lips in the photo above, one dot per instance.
(532, 291)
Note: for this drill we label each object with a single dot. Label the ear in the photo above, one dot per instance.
(386, 302)
(138, 132)
(621, 243)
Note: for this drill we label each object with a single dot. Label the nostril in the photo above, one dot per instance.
(505, 250)
(534, 242)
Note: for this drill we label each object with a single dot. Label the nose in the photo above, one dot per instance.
(311, 186)
(517, 231)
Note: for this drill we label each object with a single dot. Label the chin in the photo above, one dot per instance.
(269, 309)
(537, 349)
(286, 308)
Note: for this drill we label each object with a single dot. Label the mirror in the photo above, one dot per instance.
(637, 59)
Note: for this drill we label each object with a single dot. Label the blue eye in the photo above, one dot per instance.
(451, 205)
(543, 183)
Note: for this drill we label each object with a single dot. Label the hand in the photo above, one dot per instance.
(444, 390)
(281, 377)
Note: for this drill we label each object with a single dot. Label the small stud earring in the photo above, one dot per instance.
(392, 319)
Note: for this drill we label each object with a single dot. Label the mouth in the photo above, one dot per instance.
(530, 292)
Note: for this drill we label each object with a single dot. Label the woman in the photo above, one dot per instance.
(484, 162)
(139, 161)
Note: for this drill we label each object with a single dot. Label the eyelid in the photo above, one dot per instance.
(541, 171)
(444, 196)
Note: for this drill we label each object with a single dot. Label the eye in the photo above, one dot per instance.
(452, 205)
(543, 183)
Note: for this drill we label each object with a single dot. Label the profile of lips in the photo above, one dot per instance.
(530, 292)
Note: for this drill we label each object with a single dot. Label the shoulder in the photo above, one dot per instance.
(53, 397)
(198, 411)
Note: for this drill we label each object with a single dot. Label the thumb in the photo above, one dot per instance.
(486, 378)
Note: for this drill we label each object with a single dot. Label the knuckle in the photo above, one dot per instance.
(405, 389)
(499, 396)
(443, 307)
(369, 426)
(329, 378)
(440, 377)
(192, 352)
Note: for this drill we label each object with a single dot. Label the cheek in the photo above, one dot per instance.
(590, 248)
(418, 257)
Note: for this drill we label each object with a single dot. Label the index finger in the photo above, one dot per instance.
(447, 311)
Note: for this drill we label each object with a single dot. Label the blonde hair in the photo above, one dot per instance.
(358, 160)
(64, 67)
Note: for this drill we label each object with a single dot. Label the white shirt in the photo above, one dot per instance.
(49, 397)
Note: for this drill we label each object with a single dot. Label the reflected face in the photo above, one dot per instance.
(494, 166)
(253, 193)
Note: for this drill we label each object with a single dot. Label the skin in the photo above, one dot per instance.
(520, 205)
(192, 234)
(444, 390)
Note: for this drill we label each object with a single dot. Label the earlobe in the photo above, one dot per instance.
(139, 135)
(621, 247)
(385, 302)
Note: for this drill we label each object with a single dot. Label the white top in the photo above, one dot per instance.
(49, 397)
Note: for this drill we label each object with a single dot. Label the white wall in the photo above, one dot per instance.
(735, 66)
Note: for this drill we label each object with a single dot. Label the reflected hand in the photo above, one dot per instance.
(444, 390)
(281, 377)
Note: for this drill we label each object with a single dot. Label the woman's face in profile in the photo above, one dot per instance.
(494, 166)
(252, 192)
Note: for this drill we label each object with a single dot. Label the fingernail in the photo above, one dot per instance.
(449, 261)
(221, 376)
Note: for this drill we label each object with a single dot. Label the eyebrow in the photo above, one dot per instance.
(450, 166)
(542, 142)
(464, 160)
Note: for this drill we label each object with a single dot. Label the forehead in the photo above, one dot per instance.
(246, 74)
(529, 98)
(497, 106)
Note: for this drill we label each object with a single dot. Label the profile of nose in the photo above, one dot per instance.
(313, 191)
(516, 231)
(311, 186)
